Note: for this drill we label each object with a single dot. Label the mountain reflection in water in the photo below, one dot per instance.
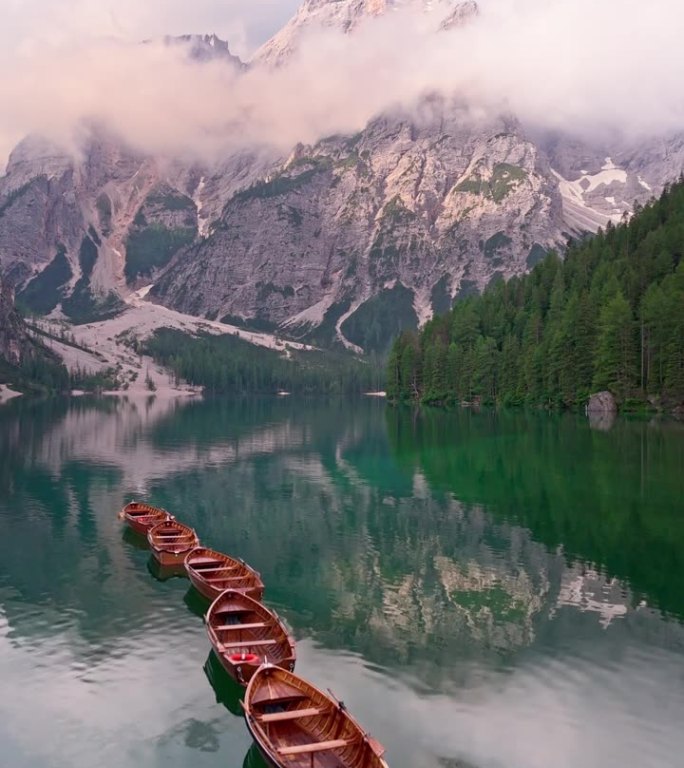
(481, 589)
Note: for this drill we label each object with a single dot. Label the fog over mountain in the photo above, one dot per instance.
(593, 67)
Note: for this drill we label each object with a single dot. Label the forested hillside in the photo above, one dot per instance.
(24, 361)
(611, 316)
(228, 365)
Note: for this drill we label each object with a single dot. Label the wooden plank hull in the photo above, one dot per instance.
(164, 572)
(207, 567)
(245, 634)
(170, 559)
(295, 725)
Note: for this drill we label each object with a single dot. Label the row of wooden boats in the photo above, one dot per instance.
(293, 723)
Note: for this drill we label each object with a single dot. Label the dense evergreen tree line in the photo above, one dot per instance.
(611, 316)
(225, 364)
(43, 374)
(38, 374)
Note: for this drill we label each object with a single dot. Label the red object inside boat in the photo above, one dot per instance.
(244, 658)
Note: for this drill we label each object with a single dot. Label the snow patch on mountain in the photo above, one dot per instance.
(583, 198)
(203, 221)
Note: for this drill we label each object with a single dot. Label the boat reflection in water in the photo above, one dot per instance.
(197, 604)
(227, 691)
(253, 759)
(133, 539)
(164, 572)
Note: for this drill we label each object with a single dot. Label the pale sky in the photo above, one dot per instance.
(244, 23)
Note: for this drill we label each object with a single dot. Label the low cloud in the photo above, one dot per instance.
(586, 66)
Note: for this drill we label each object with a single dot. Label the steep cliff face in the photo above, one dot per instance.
(77, 231)
(391, 224)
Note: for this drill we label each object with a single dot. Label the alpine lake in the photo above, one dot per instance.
(483, 590)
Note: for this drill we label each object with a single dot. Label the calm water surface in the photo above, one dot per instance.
(483, 591)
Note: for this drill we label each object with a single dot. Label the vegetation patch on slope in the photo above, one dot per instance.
(42, 294)
(504, 179)
(380, 318)
(82, 306)
(152, 247)
(279, 185)
(226, 364)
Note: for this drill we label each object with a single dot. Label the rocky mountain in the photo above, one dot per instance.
(359, 235)
(341, 242)
(347, 15)
(75, 231)
(204, 48)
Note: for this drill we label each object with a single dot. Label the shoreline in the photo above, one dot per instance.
(7, 394)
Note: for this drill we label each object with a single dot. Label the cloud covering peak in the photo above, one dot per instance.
(585, 66)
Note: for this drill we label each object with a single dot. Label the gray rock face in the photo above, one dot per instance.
(38, 209)
(602, 402)
(204, 48)
(434, 208)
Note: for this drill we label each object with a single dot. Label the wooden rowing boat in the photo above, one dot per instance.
(211, 573)
(141, 517)
(171, 541)
(244, 634)
(295, 725)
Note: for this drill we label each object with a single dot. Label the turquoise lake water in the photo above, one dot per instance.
(483, 590)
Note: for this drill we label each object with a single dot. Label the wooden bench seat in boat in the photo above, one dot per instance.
(231, 611)
(249, 643)
(292, 714)
(213, 570)
(216, 579)
(319, 746)
(233, 627)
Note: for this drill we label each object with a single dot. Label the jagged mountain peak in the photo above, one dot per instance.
(347, 15)
(34, 156)
(204, 48)
(461, 15)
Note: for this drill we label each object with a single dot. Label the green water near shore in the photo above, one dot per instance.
(501, 590)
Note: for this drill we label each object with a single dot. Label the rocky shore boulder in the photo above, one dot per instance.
(602, 402)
